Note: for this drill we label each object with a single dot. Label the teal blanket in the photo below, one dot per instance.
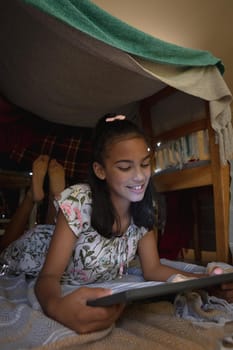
(92, 20)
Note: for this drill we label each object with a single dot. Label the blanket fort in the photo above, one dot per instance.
(76, 54)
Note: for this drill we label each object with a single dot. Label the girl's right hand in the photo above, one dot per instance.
(73, 312)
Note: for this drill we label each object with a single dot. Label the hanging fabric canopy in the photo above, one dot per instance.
(90, 19)
(70, 62)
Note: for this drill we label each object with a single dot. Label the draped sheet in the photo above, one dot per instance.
(70, 62)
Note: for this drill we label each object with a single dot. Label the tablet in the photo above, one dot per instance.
(160, 291)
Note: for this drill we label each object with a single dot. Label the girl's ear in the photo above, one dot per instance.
(99, 170)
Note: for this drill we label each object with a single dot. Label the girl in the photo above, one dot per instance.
(100, 227)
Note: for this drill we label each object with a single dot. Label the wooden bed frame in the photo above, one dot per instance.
(213, 173)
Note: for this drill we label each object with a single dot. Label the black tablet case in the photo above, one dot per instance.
(161, 291)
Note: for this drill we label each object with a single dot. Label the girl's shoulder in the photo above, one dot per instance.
(75, 203)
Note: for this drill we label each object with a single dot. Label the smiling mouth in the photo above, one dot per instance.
(136, 188)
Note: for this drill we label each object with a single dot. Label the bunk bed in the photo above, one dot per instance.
(70, 62)
(200, 173)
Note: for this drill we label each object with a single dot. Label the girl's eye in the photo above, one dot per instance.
(124, 168)
(145, 165)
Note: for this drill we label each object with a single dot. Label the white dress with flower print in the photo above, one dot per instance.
(95, 257)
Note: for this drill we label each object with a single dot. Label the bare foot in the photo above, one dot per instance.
(39, 168)
(56, 178)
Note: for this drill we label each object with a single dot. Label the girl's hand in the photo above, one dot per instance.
(73, 312)
(216, 271)
(224, 291)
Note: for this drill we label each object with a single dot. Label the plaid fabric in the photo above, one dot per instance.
(24, 136)
(72, 152)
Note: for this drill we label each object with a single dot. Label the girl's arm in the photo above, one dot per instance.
(150, 262)
(154, 270)
(62, 243)
(70, 310)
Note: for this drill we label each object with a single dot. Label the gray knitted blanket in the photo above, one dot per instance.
(142, 326)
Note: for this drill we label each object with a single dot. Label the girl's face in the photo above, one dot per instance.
(127, 170)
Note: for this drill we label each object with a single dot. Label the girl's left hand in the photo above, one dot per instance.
(225, 290)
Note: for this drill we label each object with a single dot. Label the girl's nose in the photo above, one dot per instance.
(139, 174)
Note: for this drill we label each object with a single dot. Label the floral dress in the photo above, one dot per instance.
(94, 259)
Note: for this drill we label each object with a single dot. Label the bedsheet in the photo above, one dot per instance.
(23, 325)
